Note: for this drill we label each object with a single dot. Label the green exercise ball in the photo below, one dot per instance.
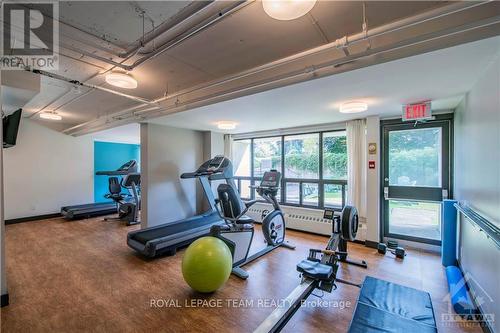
(207, 264)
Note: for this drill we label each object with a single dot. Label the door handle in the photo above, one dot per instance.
(445, 193)
(386, 193)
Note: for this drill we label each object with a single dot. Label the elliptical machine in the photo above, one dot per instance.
(238, 230)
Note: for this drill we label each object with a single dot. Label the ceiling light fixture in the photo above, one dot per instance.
(353, 107)
(50, 115)
(285, 10)
(226, 125)
(121, 80)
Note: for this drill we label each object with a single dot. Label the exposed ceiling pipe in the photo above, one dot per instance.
(339, 43)
(195, 8)
(190, 32)
(78, 83)
(409, 22)
(204, 100)
(313, 71)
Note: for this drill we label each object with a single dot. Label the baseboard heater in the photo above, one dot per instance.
(304, 219)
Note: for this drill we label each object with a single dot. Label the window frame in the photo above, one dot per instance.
(320, 181)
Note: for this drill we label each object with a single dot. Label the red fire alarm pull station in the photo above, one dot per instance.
(371, 164)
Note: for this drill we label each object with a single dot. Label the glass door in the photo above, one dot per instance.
(416, 177)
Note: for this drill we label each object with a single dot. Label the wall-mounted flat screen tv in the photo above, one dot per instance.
(10, 128)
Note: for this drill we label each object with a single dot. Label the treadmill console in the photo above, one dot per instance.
(129, 167)
(216, 168)
(216, 163)
(271, 179)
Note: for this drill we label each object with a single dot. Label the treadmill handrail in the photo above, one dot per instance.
(112, 173)
(199, 174)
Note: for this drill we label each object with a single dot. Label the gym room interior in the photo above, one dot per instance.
(250, 166)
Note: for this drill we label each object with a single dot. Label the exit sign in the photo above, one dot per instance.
(417, 111)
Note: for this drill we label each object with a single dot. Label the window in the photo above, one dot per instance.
(266, 155)
(302, 156)
(241, 158)
(313, 167)
(334, 155)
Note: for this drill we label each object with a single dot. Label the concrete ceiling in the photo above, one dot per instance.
(130, 133)
(442, 76)
(241, 40)
(118, 22)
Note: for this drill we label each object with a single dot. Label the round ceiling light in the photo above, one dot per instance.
(287, 9)
(226, 125)
(121, 80)
(353, 107)
(50, 115)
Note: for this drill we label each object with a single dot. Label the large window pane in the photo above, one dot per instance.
(333, 195)
(267, 155)
(415, 157)
(292, 193)
(414, 218)
(241, 158)
(334, 155)
(310, 194)
(302, 156)
(245, 189)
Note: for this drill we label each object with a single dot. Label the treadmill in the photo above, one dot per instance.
(165, 239)
(98, 208)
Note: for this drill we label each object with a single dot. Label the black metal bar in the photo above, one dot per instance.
(282, 168)
(301, 196)
(488, 227)
(252, 155)
(343, 195)
(321, 200)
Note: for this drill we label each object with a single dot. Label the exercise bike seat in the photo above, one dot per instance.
(245, 219)
(315, 269)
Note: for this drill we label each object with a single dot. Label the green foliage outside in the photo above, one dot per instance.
(302, 156)
(414, 157)
(420, 166)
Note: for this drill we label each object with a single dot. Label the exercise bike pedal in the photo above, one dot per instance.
(240, 272)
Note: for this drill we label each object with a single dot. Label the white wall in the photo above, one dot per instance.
(373, 182)
(166, 153)
(477, 183)
(45, 171)
(477, 142)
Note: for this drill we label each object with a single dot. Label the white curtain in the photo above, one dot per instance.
(356, 165)
(228, 146)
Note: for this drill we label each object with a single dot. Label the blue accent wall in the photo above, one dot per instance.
(110, 156)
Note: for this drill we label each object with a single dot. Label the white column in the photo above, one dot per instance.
(373, 181)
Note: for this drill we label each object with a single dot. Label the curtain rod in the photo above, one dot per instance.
(292, 130)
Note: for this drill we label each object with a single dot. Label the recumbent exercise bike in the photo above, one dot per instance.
(128, 209)
(238, 230)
